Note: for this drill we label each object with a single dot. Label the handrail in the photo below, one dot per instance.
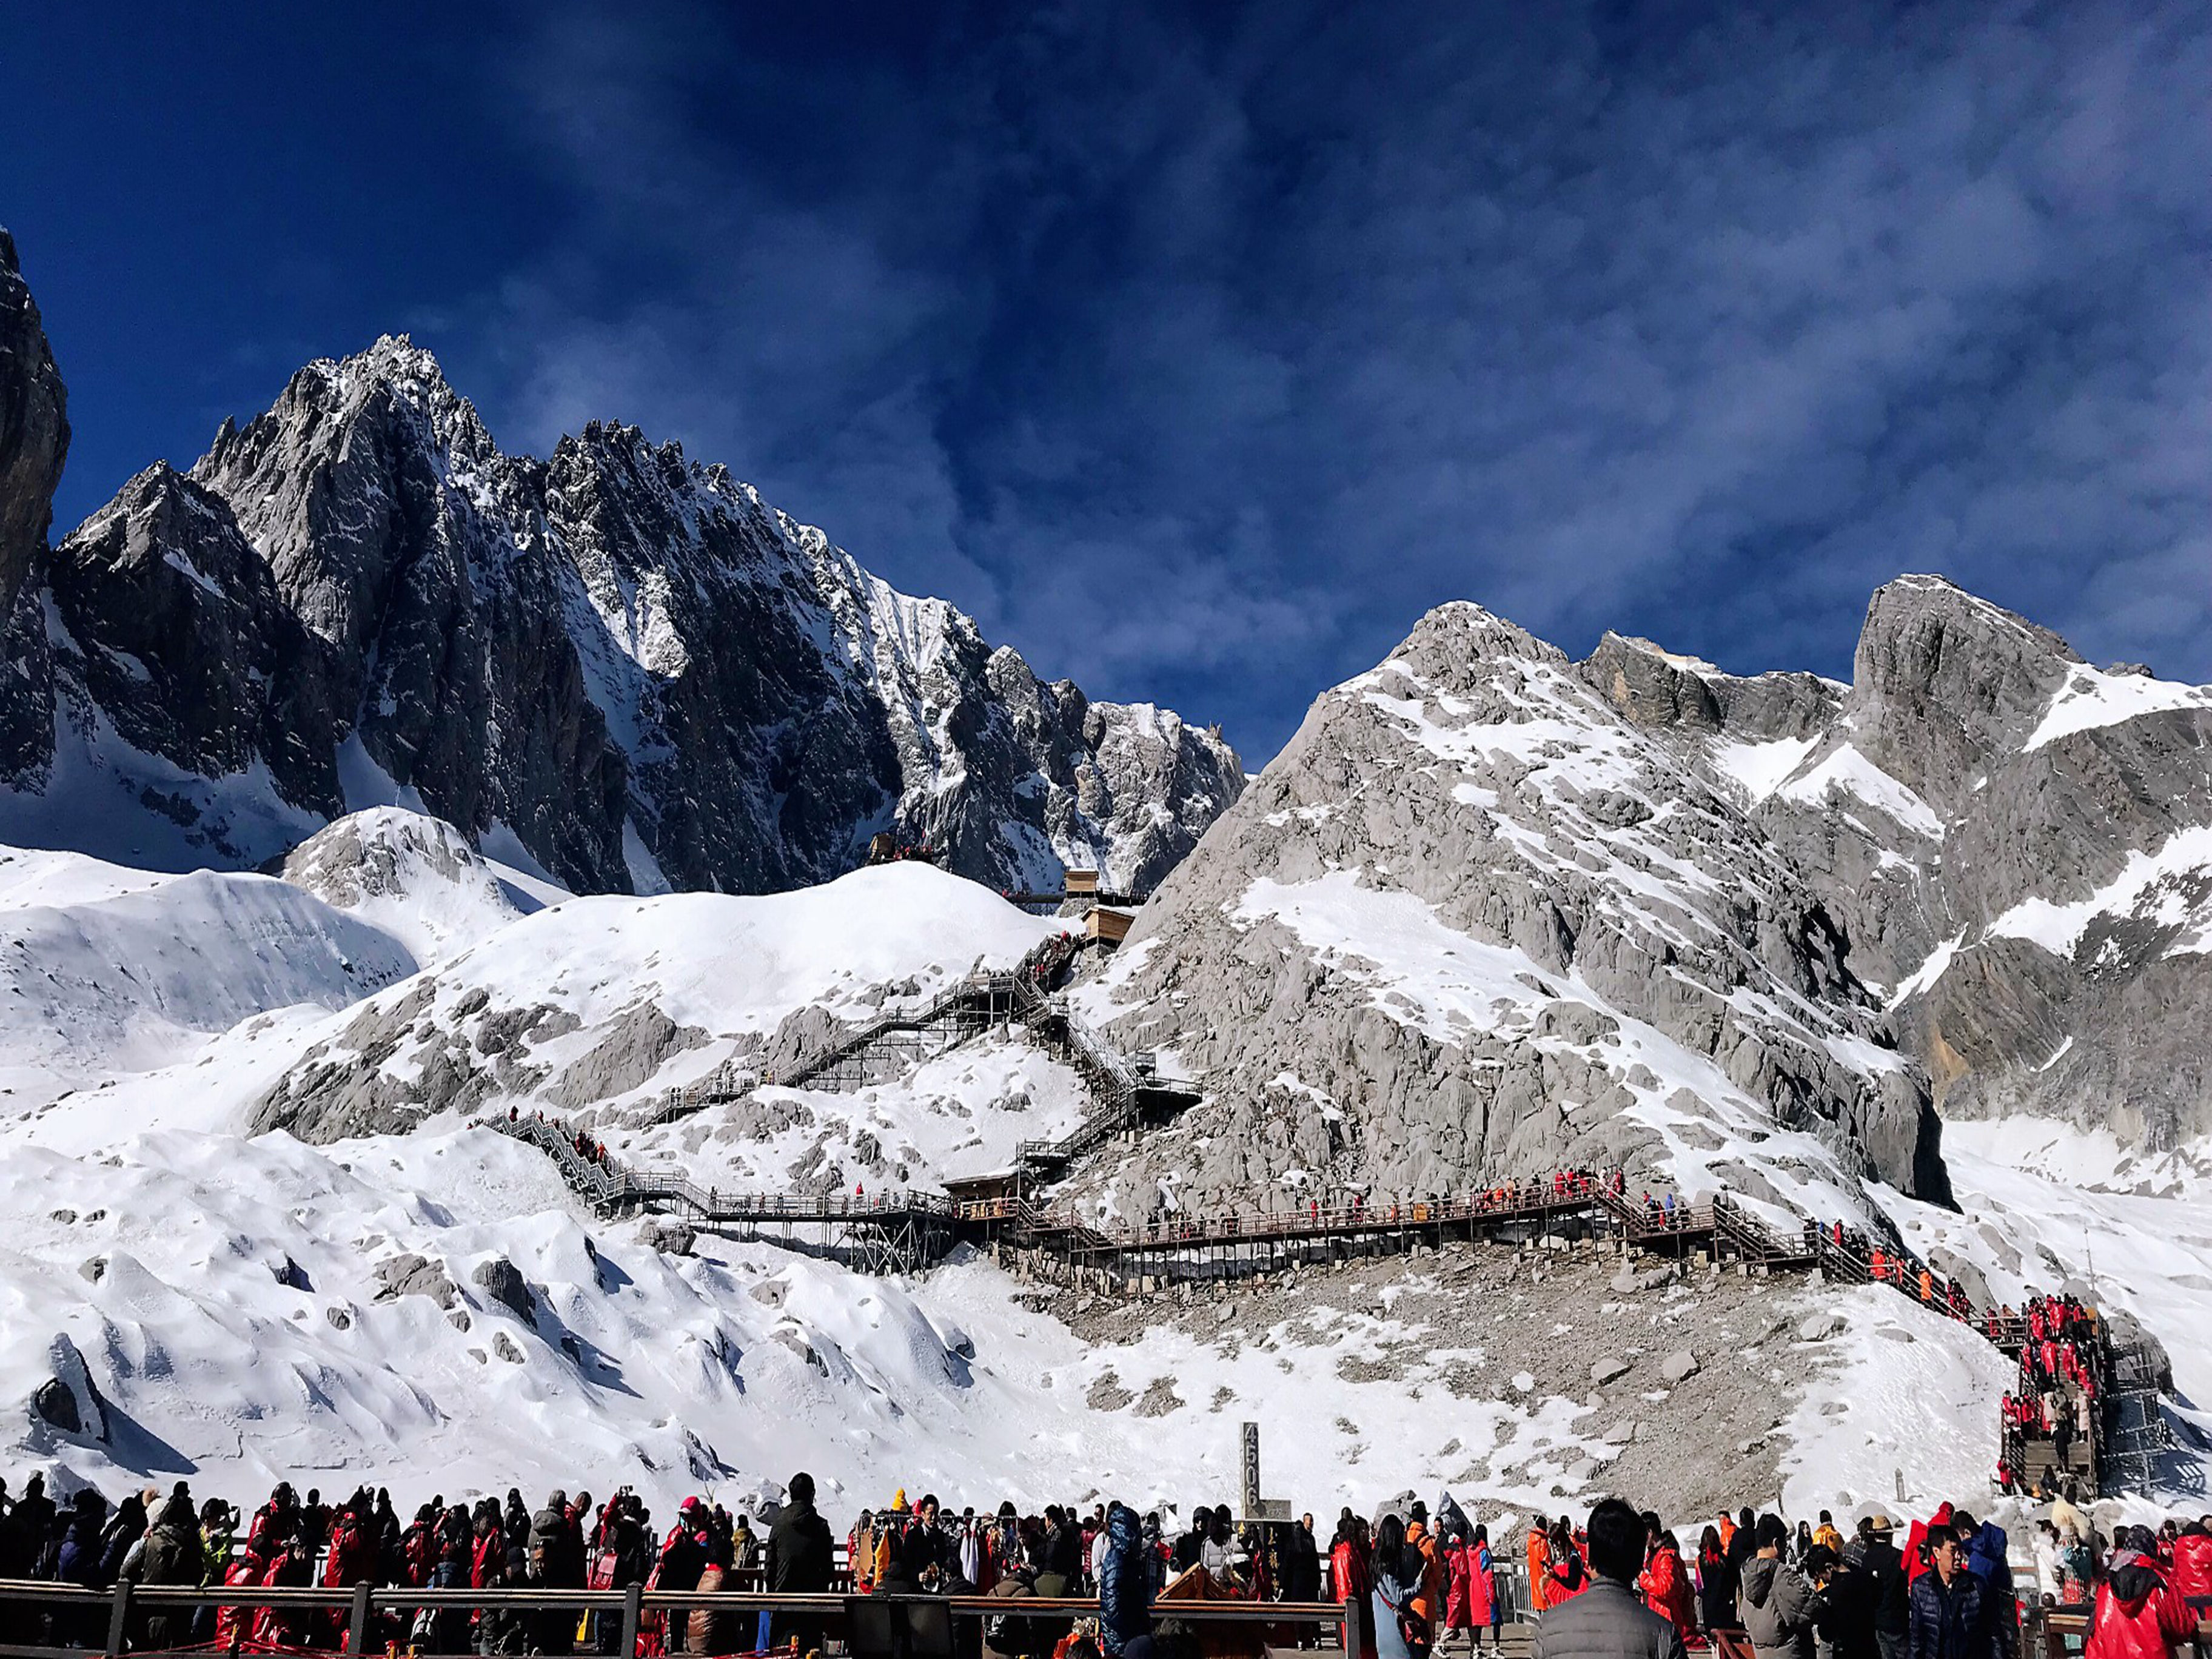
(358, 1604)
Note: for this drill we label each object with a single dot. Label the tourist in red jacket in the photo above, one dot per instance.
(2138, 1615)
(2192, 1565)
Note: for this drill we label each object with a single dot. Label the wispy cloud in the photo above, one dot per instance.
(1198, 352)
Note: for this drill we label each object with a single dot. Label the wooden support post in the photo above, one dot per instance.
(357, 1632)
(633, 1615)
(1355, 1626)
(118, 1616)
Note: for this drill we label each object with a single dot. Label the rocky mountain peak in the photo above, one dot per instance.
(1943, 681)
(1459, 636)
(1474, 918)
(34, 434)
(618, 667)
(1651, 686)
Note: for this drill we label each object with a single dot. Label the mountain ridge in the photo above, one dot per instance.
(622, 666)
(1459, 924)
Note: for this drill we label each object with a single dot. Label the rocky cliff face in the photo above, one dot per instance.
(1492, 911)
(1488, 914)
(2019, 847)
(34, 427)
(614, 664)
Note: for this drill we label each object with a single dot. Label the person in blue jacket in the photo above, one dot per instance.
(1985, 1559)
(1125, 1584)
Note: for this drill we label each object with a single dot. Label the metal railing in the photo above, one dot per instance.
(117, 1610)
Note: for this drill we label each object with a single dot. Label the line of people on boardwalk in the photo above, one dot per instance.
(1421, 1581)
(1948, 1593)
(2063, 1379)
(565, 1544)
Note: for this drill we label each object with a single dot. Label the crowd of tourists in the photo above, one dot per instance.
(2052, 1408)
(1417, 1583)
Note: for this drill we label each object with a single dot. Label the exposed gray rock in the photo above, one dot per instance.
(451, 1061)
(157, 612)
(387, 854)
(506, 1347)
(638, 1043)
(2128, 1331)
(2045, 789)
(1820, 1327)
(1678, 1367)
(1435, 940)
(1610, 1369)
(68, 1399)
(341, 1318)
(502, 1282)
(414, 1275)
(34, 432)
(57, 1406)
(786, 1337)
(1158, 1399)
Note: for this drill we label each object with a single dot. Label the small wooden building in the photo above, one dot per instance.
(999, 1187)
(1080, 884)
(1107, 927)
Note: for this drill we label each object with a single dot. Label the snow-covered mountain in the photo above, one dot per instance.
(1471, 922)
(1492, 911)
(1492, 908)
(2017, 845)
(615, 667)
(191, 1297)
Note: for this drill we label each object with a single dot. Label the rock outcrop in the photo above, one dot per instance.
(34, 431)
(2019, 847)
(1478, 919)
(617, 666)
(1492, 911)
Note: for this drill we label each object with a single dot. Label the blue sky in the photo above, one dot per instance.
(1197, 350)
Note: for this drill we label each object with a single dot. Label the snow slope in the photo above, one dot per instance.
(598, 1009)
(116, 977)
(236, 1308)
(417, 878)
(2089, 700)
(2043, 1203)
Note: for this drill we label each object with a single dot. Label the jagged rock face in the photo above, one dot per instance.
(1983, 852)
(34, 431)
(2018, 846)
(162, 617)
(2069, 968)
(1475, 920)
(627, 662)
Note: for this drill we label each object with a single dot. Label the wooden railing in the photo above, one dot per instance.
(115, 1611)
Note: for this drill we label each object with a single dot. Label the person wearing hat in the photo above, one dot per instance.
(1890, 1592)
(2138, 1616)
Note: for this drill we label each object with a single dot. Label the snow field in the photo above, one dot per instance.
(226, 1297)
